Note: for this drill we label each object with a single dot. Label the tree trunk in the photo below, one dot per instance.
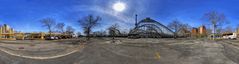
(50, 33)
(113, 37)
(214, 30)
(88, 34)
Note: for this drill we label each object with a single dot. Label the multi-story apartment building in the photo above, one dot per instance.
(6, 32)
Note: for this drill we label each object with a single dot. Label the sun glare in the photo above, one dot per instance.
(119, 6)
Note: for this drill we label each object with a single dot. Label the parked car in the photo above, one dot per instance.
(51, 38)
(229, 36)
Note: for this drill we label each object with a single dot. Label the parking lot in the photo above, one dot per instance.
(123, 51)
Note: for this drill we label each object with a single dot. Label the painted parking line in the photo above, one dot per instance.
(30, 57)
(157, 55)
(41, 58)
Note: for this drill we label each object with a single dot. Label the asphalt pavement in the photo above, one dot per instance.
(160, 51)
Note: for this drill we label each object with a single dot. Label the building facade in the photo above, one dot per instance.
(6, 32)
(194, 32)
(202, 31)
(237, 31)
(199, 32)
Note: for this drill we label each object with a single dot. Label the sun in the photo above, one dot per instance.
(119, 6)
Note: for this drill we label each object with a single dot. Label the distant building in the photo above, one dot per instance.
(194, 32)
(202, 31)
(183, 33)
(6, 32)
(199, 32)
(237, 31)
(19, 35)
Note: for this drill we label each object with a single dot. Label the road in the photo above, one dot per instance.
(141, 51)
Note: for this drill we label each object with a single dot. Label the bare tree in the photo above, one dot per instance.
(209, 31)
(237, 29)
(88, 23)
(70, 30)
(228, 29)
(184, 30)
(113, 30)
(124, 33)
(103, 33)
(60, 27)
(186, 26)
(216, 19)
(175, 25)
(99, 33)
(49, 23)
(219, 30)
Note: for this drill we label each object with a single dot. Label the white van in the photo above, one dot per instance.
(230, 36)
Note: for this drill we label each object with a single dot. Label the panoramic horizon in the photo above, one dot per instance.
(25, 15)
(119, 32)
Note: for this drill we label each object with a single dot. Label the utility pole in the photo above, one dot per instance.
(136, 21)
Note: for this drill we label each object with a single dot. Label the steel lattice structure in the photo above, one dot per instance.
(150, 28)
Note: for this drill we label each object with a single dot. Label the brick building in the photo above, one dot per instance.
(199, 32)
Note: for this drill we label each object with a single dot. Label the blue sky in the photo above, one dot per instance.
(24, 15)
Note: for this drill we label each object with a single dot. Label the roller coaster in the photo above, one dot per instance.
(149, 28)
